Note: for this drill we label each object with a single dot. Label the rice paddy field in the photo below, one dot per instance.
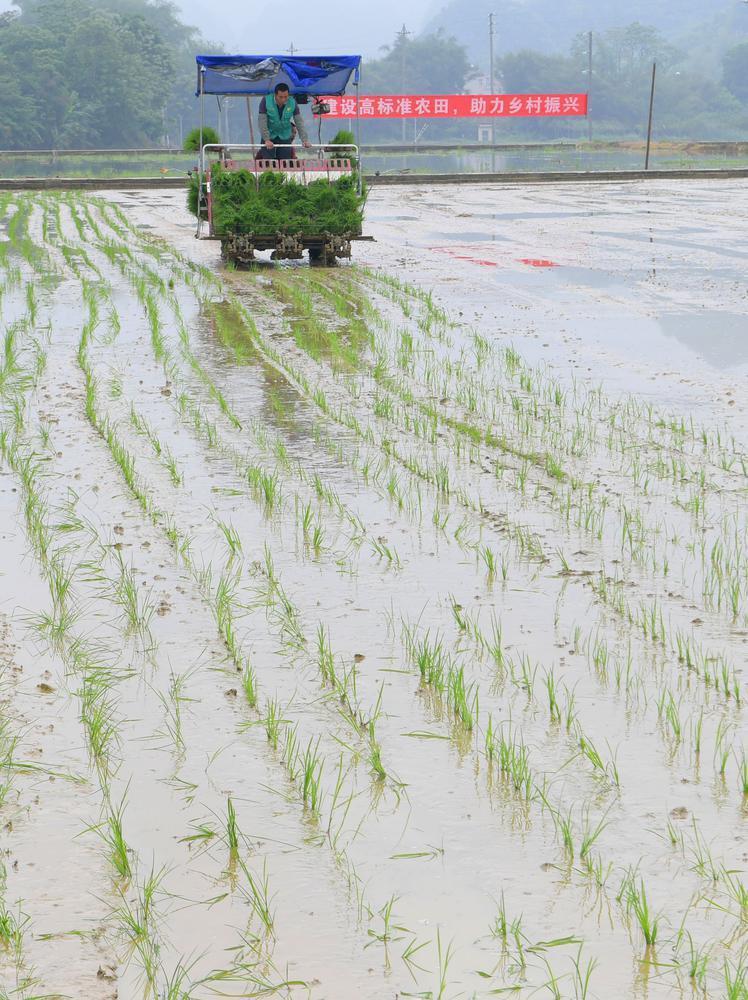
(379, 631)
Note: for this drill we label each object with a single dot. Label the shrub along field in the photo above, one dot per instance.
(343, 653)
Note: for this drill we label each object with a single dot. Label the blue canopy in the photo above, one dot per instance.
(315, 75)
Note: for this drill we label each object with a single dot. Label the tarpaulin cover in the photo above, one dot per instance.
(316, 75)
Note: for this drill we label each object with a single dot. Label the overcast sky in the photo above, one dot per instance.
(325, 26)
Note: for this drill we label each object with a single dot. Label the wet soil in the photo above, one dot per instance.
(469, 513)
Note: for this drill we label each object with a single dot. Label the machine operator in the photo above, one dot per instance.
(280, 119)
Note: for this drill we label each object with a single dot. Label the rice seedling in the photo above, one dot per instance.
(742, 762)
(736, 890)
(635, 898)
(554, 709)
(257, 894)
(462, 698)
(387, 931)
(408, 956)
(375, 754)
(232, 830)
(582, 975)
(703, 862)
(273, 722)
(173, 702)
(232, 539)
(311, 775)
(111, 830)
(137, 920)
(249, 684)
(591, 832)
(444, 958)
(137, 609)
(722, 746)
(735, 980)
(489, 558)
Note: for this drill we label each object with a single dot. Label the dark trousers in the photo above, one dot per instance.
(278, 152)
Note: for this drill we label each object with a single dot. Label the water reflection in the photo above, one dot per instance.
(522, 159)
(721, 338)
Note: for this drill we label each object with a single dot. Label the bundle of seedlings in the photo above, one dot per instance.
(274, 203)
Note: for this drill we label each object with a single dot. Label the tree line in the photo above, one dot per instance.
(121, 73)
(84, 74)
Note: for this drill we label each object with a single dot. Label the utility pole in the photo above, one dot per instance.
(651, 112)
(492, 83)
(292, 48)
(589, 86)
(402, 37)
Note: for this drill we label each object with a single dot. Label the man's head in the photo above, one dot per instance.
(281, 94)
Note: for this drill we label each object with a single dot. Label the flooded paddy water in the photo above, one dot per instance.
(377, 631)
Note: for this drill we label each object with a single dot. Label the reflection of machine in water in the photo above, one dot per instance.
(306, 76)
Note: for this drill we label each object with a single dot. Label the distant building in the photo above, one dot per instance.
(480, 83)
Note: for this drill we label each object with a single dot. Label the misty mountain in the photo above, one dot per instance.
(549, 26)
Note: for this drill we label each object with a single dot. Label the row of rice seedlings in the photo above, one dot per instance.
(264, 485)
(223, 598)
(161, 451)
(225, 606)
(561, 705)
(645, 896)
(254, 888)
(502, 748)
(711, 668)
(641, 548)
(143, 936)
(21, 243)
(266, 488)
(381, 550)
(83, 657)
(342, 681)
(138, 917)
(624, 416)
(97, 715)
(314, 333)
(673, 727)
(644, 550)
(91, 407)
(20, 977)
(436, 474)
(518, 949)
(510, 755)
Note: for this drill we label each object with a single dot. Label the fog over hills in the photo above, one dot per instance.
(326, 26)
(550, 26)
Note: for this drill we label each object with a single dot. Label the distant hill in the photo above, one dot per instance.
(549, 26)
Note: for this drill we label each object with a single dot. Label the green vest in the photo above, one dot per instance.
(279, 125)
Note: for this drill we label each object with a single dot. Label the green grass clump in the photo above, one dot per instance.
(193, 190)
(192, 139)
(278, 204)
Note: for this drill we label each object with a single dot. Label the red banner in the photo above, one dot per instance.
(459, 106)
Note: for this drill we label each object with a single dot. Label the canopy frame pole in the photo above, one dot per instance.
(356, 84)
(249, 118)
(200, 171)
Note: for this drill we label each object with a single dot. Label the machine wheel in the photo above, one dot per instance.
(238, 250)
(319, 257)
